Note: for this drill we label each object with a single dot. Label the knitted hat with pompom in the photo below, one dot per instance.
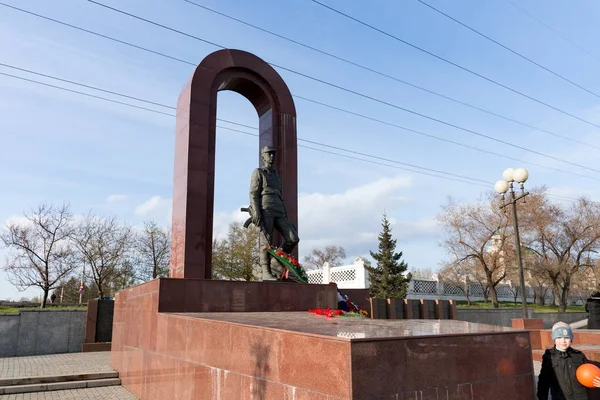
(561, 329)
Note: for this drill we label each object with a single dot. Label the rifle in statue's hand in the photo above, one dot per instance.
(258, 224)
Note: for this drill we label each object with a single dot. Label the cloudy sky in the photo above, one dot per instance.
(58, 146)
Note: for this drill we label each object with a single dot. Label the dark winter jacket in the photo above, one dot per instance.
(592, 306)
(558, 375)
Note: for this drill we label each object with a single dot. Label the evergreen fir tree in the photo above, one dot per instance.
(388, 278)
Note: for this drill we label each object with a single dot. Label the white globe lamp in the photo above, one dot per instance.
(508, 174)
(501, 187)
(520, 175)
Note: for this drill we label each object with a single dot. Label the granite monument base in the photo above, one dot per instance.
(165, 353)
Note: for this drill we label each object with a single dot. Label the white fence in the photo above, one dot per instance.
(433, 289)
(355, 276)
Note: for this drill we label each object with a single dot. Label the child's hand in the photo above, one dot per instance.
(597, 381)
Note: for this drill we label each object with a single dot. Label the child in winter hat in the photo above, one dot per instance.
(558, 368)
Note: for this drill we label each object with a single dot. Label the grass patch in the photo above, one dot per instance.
(14, 310)
(508, 304)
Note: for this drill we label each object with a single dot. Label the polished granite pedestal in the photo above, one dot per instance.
(297, 355)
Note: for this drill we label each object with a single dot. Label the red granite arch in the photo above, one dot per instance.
(194, 173)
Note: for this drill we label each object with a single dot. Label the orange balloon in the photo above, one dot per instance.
(586, 374)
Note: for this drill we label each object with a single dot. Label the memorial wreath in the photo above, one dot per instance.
(294, 272)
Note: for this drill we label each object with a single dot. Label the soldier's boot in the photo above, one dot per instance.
(265, 265)
(267, 275)
(289, 246)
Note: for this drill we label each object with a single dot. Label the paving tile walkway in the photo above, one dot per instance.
(55, 364)
(537, 367)
(62, 364)
(100, 393)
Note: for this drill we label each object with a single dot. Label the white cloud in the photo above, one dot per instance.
(351, 219)
(115, 197)
(155, 205)
(221, 221)
(147, 206)
(326, 215)
(17, 220)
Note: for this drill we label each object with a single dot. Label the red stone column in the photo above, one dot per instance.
(453, 310)
(408, 309)
(194, 171)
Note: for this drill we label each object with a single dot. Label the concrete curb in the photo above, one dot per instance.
(40, 387)
(57, 378)
(579, 324)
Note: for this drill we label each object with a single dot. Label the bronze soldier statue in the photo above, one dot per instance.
(268, 211)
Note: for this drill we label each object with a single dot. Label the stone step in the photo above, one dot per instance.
(57, 378)
(62, 385)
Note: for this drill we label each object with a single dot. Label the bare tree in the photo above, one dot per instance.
(126, 277)
(333, 255)
(423, 273)
(564, 240)
(515, 290)
(593, 274)
(535, 276)
(40, 253)
(68, 291)
(103, 245)
(582, 285)
(478, 232)
(457, 276)
(153, 250)
(513, 281)
(237, 256)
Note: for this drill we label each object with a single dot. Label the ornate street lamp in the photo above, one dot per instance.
(511, 175)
